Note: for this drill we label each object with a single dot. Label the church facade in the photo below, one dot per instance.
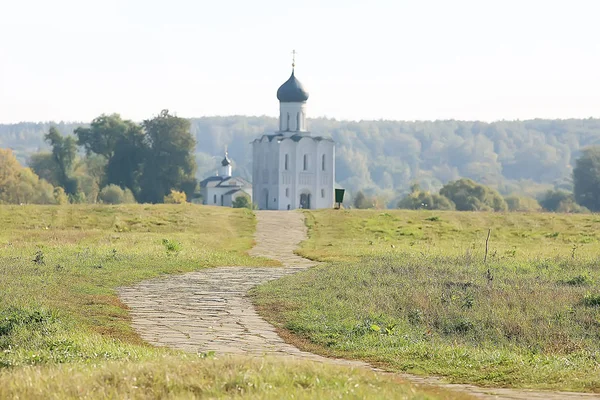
(291, 167)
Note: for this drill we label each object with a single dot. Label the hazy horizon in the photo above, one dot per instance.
(68, 122)
(389, 60)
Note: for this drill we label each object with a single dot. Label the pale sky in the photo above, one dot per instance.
(73, 60)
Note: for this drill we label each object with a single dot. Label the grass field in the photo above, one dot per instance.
(409, 291)
(64, 333)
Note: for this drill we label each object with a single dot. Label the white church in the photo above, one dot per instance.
(291, 167)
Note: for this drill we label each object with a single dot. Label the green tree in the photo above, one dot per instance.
(64, 153)
(586, 179)
(170, 162)
(20, 185)
(468, 195)
(45, 166)
(122, 143)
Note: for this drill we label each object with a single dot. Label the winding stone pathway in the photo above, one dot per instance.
(209, 310)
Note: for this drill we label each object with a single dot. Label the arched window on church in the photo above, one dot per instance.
(288, 122)
(297, 121)
(323, 163)
(215, 199)
(286, 163)
(305, 164)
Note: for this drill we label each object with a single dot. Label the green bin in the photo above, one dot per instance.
(339, 196)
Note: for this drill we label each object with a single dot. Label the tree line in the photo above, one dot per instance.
(112, 161)
(385, 157)
(467, 195)
(380, 158)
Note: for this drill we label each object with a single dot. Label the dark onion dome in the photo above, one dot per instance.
(226, 161)
(292, 91)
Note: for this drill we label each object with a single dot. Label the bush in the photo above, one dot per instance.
(362, 201)
(418, 199)
(468, 195)
(113, 194)
(242, 201)
(522, 203)
(175, 197)
(570, 206)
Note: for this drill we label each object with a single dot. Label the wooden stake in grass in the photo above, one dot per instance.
(487, 241)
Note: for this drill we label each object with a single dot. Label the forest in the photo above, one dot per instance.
(385, 158)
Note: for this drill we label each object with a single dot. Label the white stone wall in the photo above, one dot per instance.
(265, 171)
(225, 170)
(304, 174)
(292, 117)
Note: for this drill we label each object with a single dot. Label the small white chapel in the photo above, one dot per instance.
(291, 167)
(222, 188)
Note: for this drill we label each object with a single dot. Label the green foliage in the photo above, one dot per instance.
(552, 199)
(522, 203)
(60, 197)
(170, 163)
(578, 280)
(175, 197)
(591, 300)
(470, 196)
(149, 160)
(45, 166)
(524, 157)
(362, 201)
(113, 194)
(20, 185)
(242, 201)
(172, 246)
(121, 143)
(64, 153)
(419, 199)
(586, 179)
(570, 206)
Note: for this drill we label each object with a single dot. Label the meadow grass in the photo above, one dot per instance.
(60, 267)
(187, 377)
(409, 291)
(65, 334)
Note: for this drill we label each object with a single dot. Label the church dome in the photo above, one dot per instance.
(226, 161)
(292, 91)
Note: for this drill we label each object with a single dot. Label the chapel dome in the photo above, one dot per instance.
(292, 91)
(226, 161)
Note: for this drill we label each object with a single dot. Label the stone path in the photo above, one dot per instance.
(209, 310)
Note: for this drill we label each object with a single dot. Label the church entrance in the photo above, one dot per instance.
(305, 201)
